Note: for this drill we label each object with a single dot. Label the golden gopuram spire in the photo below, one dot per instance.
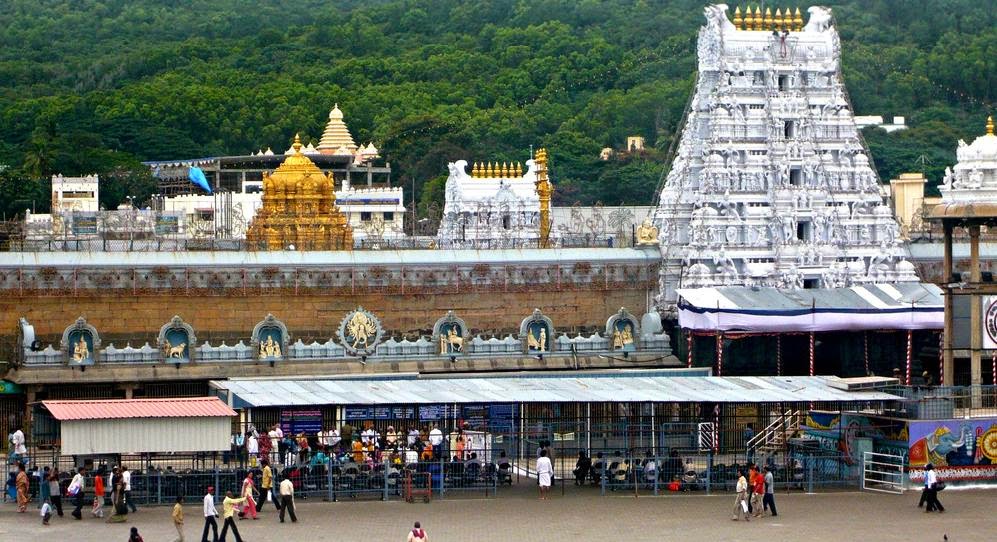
(797, 20)
(299, 209)
(545, 189)
(738, 21)
(990, 125)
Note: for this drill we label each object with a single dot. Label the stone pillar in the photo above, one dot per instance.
(948, 367)
(30, 396)
(976, 329)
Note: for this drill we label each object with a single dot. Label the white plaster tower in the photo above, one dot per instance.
(771, 184)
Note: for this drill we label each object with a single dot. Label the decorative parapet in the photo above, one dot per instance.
(277, 280)
(537, 325)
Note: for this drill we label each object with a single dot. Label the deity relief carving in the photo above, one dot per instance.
(537, 332)
(449, 333)
(360, 332)
(270, 339)
(80, 343)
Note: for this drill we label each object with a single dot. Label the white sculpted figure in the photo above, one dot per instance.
(947, 179)
(820, 19)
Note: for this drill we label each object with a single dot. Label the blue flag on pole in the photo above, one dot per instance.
(197, 177)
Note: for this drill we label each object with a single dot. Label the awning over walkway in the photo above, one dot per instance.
(251, 393)
(753, 309)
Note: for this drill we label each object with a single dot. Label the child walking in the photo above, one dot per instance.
(98, 496)
(46, 512)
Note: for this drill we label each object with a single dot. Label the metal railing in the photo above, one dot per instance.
(775, 433)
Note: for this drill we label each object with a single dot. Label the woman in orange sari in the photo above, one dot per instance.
(21, 482)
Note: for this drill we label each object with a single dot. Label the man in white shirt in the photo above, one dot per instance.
(76, 490)
(367, 436)
(413, 434)
(411, 456)
(741, 501)
(287, 500)
(253, 449)
(126, 478)
(210, 513)
(334, 438)
(17, 447)
(436, 439)
(274, 445)
(930, 486)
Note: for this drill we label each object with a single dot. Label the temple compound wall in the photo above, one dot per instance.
(126, 298)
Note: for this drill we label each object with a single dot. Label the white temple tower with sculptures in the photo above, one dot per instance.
(772, 184)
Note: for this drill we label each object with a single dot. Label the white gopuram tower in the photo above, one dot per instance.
(771, 184)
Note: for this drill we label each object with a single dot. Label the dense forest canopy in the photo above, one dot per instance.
(97, 86)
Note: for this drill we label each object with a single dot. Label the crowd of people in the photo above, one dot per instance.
(349, 444)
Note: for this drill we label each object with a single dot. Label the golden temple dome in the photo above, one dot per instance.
(299, 209)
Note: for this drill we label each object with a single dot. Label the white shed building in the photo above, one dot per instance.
(127, 426)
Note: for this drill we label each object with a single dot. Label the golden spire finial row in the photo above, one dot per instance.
(489, 170)
(297, 144)
(783, 19)
(990, 125)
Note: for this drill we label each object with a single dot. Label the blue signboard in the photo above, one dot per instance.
(382, 413)
(434, 412)
(403, 413)
(307, 421)
(502, 417)
(358, 413)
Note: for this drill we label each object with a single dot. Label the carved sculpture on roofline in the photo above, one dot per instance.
(451, 333)
(175, 340)
(622, 330)
(270, 339)
(537, 333)
(80, 343)
(360, 332)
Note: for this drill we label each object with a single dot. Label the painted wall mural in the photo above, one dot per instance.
(963, 449)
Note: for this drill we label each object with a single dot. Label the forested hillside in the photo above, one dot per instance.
(96, 86)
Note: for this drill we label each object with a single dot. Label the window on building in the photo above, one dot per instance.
(811, 284)
(795, 176)
(389, 216)
(783, 83)
(803, 231)
(789, 129)
(364, 216)
(506, 222)
(205, 214)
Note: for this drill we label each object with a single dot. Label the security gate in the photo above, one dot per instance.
(883, 472)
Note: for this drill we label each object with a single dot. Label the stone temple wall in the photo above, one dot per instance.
(129, 298)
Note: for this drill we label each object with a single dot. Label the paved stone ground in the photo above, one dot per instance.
(582, 515)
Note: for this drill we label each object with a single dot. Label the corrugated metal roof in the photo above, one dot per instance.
(569, 389)
(923, 295)
(109, 409)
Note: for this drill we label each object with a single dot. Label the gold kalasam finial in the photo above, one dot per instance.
(738, 21)
(778, 19)
(504, 171)
(797, 20)
(990, 125)
(749, 19)
(474, 170)
(297, 144)
(519, 169)
(758, 18)
(768, 19)
(491, 169)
